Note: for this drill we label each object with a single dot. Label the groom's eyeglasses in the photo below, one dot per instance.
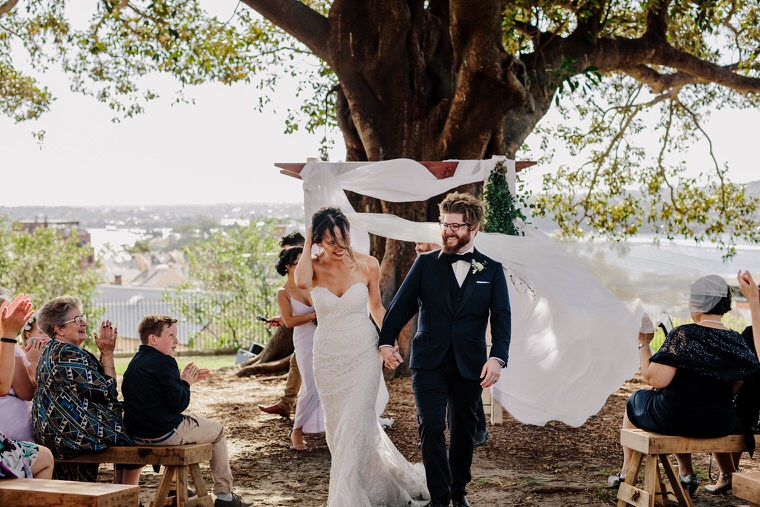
(453, 227)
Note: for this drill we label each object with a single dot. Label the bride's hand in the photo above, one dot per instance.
(391, 357)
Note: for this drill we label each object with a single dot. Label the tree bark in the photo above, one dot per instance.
(268, 368)
(280, 345)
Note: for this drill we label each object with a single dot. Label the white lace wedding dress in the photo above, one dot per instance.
(366, 470)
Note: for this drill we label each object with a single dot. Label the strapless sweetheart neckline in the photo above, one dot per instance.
(334, 294)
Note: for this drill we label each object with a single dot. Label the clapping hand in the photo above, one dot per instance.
(192, 374)
(106, 340)
(748, 287)
(14, 314)
(646, 329)
(33, 348)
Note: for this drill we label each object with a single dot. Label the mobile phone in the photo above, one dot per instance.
(262, 319)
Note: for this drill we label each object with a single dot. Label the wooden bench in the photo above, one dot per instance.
(177, 460)
(46, 492)
(746, 485)
(653, 450)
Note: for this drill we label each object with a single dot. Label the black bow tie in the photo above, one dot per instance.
(467, 257)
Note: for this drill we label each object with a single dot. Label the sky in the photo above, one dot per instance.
(218, 150)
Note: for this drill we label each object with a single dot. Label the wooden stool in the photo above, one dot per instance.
(46, 492)
(178, 461)
(652, 450)
(746, 485)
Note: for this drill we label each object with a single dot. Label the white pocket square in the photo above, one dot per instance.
(481, 281)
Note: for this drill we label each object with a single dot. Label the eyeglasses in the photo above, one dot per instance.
(79, 319)
(453, 227)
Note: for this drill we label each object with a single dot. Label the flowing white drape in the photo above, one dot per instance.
(573, 341)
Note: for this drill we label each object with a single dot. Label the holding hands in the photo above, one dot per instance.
(14, 314)
(192, 374)
(391, 357)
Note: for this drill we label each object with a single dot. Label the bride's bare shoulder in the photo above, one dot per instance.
(366, 260)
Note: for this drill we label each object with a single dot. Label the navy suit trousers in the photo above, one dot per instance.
(437, 391)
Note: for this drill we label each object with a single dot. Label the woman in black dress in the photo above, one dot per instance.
(694, 375)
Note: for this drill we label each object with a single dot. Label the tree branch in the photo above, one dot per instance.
(300, 21)
(6, 7)
(482, 69)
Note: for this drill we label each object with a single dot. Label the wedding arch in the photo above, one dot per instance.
(573, 341)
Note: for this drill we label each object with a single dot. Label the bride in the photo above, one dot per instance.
(366, 470)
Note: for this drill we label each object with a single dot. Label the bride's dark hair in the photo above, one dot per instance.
(325, 220)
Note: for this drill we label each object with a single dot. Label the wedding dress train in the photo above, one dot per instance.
(366, 470)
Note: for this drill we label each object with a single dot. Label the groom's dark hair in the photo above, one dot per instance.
(471, 208)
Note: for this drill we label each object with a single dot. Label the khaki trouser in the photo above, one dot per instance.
(292, 385)
(195, 429)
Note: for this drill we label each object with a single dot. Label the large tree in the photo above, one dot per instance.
(436, 79)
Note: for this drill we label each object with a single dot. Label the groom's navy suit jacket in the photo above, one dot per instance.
(451, 317)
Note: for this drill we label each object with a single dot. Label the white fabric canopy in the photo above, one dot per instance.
(573, 341)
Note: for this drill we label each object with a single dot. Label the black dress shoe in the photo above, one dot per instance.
(460, 502)
(480, 439)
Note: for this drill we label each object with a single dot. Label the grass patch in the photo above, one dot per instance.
(530, 482)
(211, 362)
(606, 494)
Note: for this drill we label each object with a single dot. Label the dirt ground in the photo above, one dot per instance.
(521, 465)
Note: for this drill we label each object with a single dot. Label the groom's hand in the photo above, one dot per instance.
(490, 373)
(391, 357)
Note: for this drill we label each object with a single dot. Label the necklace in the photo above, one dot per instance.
(713, 321)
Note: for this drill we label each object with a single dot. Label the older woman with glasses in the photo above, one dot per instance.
(76, 407)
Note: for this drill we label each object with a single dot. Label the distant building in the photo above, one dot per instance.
(67, 229)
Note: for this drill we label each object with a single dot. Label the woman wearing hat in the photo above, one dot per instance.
(694, 375)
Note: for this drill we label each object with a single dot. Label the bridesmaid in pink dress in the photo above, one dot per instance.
(297, 312)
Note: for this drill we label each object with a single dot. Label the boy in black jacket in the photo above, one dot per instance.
(155, 395)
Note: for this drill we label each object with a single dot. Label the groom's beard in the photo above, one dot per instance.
(461, 242)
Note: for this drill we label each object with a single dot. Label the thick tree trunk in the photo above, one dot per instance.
(269, 368)
(270, 360)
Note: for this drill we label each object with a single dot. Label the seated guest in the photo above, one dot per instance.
(76, 407)
(18, 459)
(693, 375)
(156, 394)
(16, 406)
(31, 332)
(747, 410)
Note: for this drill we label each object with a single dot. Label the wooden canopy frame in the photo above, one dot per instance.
(439, 169)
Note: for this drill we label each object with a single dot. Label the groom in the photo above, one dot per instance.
(455, 290)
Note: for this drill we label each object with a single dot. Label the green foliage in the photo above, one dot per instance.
(501, 207)
(46, 264)
(233, 270)
(122, 47)
(622, 185)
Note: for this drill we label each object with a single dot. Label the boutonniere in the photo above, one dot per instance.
(477, 266)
